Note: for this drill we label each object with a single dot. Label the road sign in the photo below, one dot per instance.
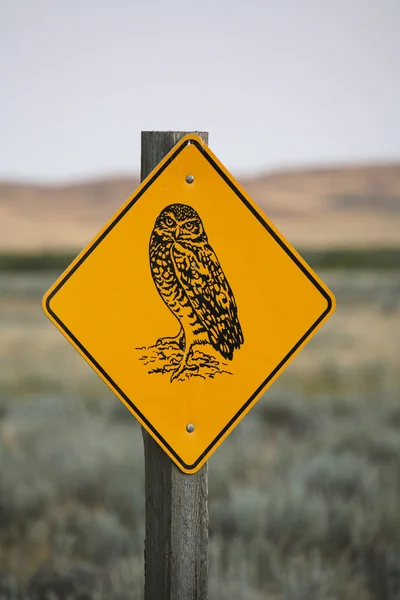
(189, 303)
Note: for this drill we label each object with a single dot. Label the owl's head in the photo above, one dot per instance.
(179, 222)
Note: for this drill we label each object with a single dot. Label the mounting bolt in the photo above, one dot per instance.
(190, 178)
(190, 428)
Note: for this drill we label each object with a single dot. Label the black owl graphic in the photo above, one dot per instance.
(191, 282)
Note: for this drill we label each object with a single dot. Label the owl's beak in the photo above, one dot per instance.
(177, 232)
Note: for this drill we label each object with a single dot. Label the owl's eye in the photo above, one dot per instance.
(169, 222)
(189, 226)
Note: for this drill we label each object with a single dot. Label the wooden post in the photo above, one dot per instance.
(176, 546)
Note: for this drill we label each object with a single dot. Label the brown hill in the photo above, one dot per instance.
(338, 207)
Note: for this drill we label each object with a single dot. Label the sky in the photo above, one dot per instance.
(281, 84)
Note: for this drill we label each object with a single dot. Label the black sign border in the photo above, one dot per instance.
(134, 199)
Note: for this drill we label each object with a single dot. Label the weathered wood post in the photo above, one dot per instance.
(176, 546)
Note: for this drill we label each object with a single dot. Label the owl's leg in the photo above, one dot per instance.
(177, 339)
(198, 337)
(185, 365)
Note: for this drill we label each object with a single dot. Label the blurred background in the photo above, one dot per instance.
(302, 102)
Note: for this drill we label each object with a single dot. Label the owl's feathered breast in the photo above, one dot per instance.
(163, 268)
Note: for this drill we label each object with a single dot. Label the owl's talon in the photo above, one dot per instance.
(177, 374)
(183, 368)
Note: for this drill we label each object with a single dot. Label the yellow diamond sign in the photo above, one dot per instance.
(189, 303)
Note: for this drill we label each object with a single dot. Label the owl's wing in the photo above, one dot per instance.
(210, 295)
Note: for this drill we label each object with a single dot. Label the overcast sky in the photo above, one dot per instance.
(276, 83)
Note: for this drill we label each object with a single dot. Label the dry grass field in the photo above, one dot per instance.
(304, 494)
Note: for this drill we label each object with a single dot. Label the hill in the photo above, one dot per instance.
(356, 206)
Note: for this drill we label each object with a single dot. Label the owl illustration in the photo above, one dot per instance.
(191, 282)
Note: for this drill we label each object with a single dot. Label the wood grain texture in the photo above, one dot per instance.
(176, 547)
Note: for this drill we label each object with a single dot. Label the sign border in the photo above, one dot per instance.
(284, 244)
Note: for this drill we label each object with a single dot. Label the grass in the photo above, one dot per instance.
(332, 258)
(304, 494)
